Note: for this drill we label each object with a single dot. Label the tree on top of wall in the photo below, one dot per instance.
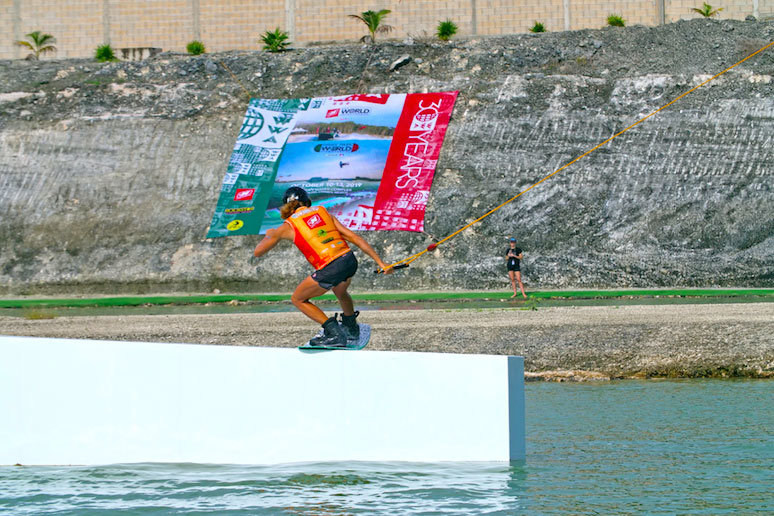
(373, 21)
(707, 11)
(38, 43)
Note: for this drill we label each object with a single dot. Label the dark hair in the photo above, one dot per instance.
(289, 208)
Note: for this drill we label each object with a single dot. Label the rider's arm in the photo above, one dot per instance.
(273, 236)
(352, 237)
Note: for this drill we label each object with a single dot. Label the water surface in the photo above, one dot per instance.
(630, 447)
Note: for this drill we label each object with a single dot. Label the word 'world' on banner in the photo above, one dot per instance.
(369, 159)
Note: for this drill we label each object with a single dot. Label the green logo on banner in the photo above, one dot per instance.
(252, 124)
(252, 168)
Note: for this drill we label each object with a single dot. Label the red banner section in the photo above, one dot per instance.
(408, 173)
(379, 98)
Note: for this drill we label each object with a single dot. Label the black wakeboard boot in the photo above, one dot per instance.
(351, 328)
(333, 335)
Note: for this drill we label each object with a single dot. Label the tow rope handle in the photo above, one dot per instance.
(401, 266)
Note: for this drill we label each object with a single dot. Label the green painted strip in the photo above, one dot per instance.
(393, 296)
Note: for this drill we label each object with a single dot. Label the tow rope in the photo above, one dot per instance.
(408, 260)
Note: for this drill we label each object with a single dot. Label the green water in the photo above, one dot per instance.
(633, 447)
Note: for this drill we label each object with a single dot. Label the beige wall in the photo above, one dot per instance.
(76, 24)
(81, 25)
(734, 9)
(328, 20)
(502, 17)
(593, 13)
(150, 23)
(7, 28)
(237, 24)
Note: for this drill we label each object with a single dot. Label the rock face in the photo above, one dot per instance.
(109, 173)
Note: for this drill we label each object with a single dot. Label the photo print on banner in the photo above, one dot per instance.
(369, 159)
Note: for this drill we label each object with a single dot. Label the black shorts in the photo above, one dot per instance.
(340, 269)
(514, 267)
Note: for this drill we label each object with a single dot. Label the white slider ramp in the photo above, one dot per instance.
(66, 401)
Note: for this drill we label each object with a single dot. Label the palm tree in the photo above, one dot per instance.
(373, 20)
(38, 43)
(707, 11)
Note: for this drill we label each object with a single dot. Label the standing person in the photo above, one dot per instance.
(513, 256)
(323, 241)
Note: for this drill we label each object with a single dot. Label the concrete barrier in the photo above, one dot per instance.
(101, 402)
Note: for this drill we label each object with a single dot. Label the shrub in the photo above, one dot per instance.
(615, 20)
(538, 27)
(275, 41)
(38, 43)
(373, 21)
(707, 11)
(446, 29)
(195, 48)
(104, 53)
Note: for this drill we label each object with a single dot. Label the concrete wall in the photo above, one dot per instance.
(100, 402)
(732, 9)
(593, 13)
(81, 25)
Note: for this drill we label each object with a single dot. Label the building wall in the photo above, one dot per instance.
(81, 25)
(237, 24)
(585, 14)
(7, 28)
(76, 24)
(509, 17)
(732, 9)
(150, 23)
(329, 20)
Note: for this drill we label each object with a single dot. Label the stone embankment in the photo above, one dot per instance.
(109, 173)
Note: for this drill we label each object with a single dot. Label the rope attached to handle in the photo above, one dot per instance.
(434, 245)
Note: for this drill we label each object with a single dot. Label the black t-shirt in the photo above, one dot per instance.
(512, 260)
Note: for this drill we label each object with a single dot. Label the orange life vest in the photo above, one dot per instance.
(316, 236)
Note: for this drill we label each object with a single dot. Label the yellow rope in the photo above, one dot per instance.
(249, 96)
(365, 69)
(466, 226)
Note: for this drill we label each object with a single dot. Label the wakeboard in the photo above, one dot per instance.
(365, 336)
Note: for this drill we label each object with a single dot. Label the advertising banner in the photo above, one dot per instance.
(369, 159)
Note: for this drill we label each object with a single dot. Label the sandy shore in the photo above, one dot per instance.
(573, 343)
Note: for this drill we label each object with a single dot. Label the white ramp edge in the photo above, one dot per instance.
(89, 402)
